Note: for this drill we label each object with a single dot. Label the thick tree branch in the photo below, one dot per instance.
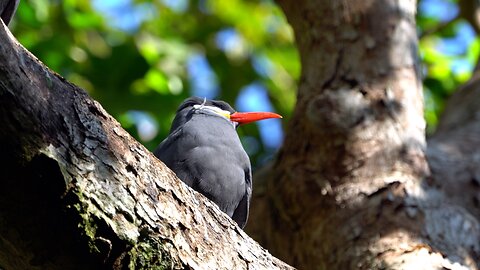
(351, 185)
(78, 192)
(452, 151)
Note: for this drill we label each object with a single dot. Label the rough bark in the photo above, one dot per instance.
(77, 192)
(351, 188)
(453, 152)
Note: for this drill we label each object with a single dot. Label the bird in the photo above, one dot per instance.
(8, 10)
(205, 152)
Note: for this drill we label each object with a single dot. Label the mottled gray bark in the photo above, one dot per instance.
(351, 188)
(454, 152)
(78, 192)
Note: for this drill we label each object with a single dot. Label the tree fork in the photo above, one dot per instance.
(351, 186)
(78, 192)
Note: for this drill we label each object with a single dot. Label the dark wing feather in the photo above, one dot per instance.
(172, 152)
(241, 212)
(206, 154)
(9, 10)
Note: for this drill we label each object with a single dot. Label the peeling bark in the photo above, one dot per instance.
(351, 188)
(78, 192)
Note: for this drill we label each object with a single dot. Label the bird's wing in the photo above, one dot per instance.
(174, 151)
(162, 151)
(168, 151)
(9, 10)
(241, 212)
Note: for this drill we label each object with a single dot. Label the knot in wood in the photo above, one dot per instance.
(337, 111)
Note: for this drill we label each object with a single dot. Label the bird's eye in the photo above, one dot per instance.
(224, 106)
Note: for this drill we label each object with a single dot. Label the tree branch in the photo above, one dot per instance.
(452, 154)
(79, 192)
(351, 185)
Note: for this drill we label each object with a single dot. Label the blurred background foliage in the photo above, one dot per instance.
(141, 58)
(449, 50)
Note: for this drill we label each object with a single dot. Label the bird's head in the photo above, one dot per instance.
(219, 108)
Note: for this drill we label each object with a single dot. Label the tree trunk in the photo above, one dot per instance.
(453, 152)
(351, 188)
(77, 192)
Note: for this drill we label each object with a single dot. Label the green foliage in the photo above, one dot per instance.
(444, 72)
(145, 70)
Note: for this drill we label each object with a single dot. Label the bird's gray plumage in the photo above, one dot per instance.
(8, 10)
(204, 150)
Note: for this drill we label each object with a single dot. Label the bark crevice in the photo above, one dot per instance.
(360, 136)
(81, 193)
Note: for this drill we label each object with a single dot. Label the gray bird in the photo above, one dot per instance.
(8, 9)
(204, 151)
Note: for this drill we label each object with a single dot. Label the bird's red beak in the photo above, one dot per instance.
(248, 117)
